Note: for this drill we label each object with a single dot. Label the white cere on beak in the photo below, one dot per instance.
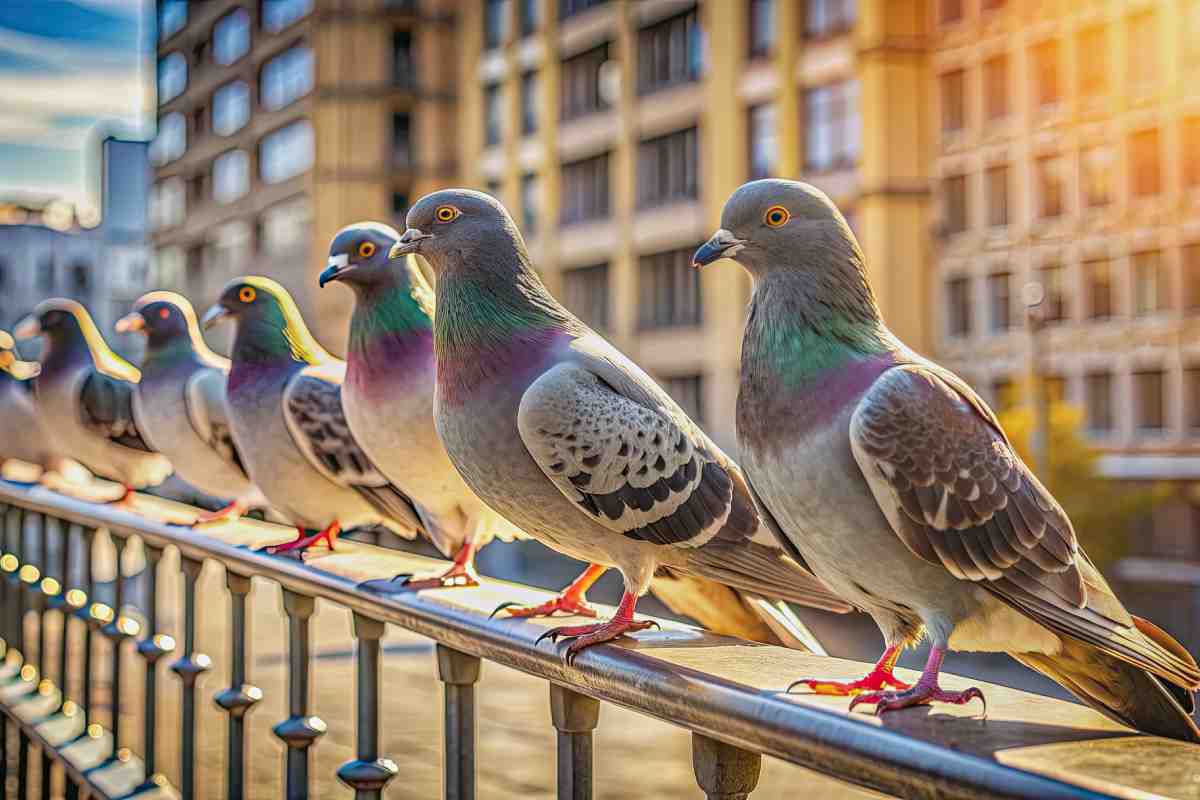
(338, 261)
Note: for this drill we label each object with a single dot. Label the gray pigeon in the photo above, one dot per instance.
(285, 405)
(179, 404)
(561, 434)
(22, 436)
(84, 394)
(896, 483)
(388, 397)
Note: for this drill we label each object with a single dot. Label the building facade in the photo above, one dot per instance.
(279, 122)
(615, 131)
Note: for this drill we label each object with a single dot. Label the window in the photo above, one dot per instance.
(1191, 276)
(80, 275)
(1051, 186)
(1150, 293)
(278, 14)
(1143, 49)
(399, 207)
(172, 77)
(286, 78)
(531, 202)
(167, 202)
(950, 11)
(230, 108)
(995, 87)
(531, 16)
(493, 112)
(569, 8)
(530, 102)
(999, 287)
(1098, 400)
(495, 22)
(585, 190)
(832, 133)
(286, 152)
(172, 16)
(761, 28)
(688, 392)
(827, 17)
(953, 101)
(1044, 60)
(954, 194)
(668, 168)
(1144, 163)
(1054, 299)
(1093, 62)
(1150, 400)
(1191, 388)
(230, 176)
(669, 53)
(285, 227)
(231, 37)
(764, 144)
(168, 267)
(581, 83)
(1095, 166)
(1191, 151)
(171, 141)
(403, 66)
(229, 248)
(45, 274)
(585, 293)
(958, 307)
(1098, 277)
(995, 180)
(402, 143)
(1055, 387)
(668, 290)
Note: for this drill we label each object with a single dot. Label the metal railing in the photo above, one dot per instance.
(725, 692)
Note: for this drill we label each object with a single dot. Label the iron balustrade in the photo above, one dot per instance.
(725, 692)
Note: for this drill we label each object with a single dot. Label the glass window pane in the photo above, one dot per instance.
(278, 14)
(286, 152)
(286, 78)
(231, 176)
(231, 37)
(172, 77)
(171, 141)
(230, 108)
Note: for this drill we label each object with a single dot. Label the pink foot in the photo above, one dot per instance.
(572, 601)
(873, 681)
(230, 512)
(925, 692)
(584, 636)
(301, 543)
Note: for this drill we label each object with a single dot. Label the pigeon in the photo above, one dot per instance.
(388, 397)
(22, 435)
(179, 404)
(565, 437)
(895, 482)
(284, 395)
(84, 394)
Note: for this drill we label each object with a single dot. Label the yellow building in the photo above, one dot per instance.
(614, 131)
(281, 121)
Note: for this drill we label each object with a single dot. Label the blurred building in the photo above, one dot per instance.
(1068, 154)
(279, 122)
(51, 248)
(615, 131)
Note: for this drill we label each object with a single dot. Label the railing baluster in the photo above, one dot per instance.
(575, 716)
(240, 697)
(74, 599)
(116, 632)
(368, 774)
(88, 613)
(724, 772)
(189, 668)
(29, 576)
(459, 672)
(152, 647)
(299, 731)
(6, 634)
(50, 590)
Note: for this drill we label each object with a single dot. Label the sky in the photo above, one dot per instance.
(71, 72)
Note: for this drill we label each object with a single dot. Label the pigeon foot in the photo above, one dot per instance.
(584, 636)
(875, 680)
(925, 692)
(460, 575)
(572, 601)
(302, 543)
(229, 513)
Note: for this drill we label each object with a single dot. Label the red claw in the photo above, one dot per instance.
(925, 692)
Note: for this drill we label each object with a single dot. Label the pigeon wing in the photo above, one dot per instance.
(106, 408)
(208, 413)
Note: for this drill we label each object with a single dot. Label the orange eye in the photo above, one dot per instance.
(366, 249)
(164, 313)
(776, 216)
(247, 294)
(446, 214)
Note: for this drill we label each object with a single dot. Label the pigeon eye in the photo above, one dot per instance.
(366, 249)
(247, 294)
(446, 214)
(776, 216)
(164, 313)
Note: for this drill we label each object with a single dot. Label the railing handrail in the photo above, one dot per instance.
(711, 685)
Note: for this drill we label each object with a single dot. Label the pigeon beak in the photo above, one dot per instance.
(213, 316)
(410, 242)
(28, 328)
(6, 359)
(338, 266)
(723, 244)
(133, 321)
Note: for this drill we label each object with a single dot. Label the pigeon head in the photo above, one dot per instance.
(58, 321)
(10, 361)
(457, 229)
(162, 316)
(771, 225)
(253, 299)
(359, 257)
